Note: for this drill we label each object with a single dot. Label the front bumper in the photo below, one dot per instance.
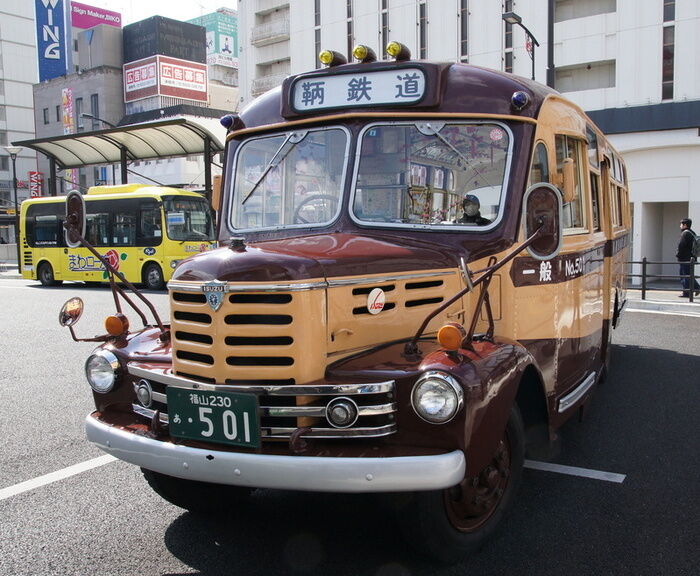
(316, 474)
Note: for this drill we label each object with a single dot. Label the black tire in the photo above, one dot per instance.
(45, 275)
(197, 497)
(153, 277)
(449, 525)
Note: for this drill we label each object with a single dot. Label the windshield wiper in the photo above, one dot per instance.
(294, 138)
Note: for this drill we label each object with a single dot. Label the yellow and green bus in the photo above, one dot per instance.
(145, 231)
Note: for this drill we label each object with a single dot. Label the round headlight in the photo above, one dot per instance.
(101, 370)
(437, 397)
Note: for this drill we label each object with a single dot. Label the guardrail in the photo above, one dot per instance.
(646, 275)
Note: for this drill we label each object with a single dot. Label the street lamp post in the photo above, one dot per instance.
(13, 151)
(513, 18)
(93, 117)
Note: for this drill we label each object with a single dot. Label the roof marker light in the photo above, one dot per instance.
(364, 54)
(520, 100)
(398, 51)
(331, 58)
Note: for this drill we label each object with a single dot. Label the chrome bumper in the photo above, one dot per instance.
(316, 474)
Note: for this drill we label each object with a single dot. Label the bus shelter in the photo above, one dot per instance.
(159, 139)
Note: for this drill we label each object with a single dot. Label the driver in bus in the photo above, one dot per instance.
(472, 212)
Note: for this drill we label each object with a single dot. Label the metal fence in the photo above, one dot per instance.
(649, 278)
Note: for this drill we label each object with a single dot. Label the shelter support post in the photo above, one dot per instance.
(123, 161)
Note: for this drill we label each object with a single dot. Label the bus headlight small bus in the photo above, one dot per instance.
(174, 263)
(437, 397)
(102, 371)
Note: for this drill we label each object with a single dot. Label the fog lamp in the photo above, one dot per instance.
(437, 397)
(117, 324)
(144, 393)
(102, 371)
(342, 412)
(451, 335)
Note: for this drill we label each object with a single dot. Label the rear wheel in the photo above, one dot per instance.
(153, 277)
(197, 497)
(450, 524)
(45, 275)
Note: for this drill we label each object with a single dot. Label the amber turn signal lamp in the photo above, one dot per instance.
(331, 58)
(364, 54)
(450, 336)
(117, 324)
(398, 51)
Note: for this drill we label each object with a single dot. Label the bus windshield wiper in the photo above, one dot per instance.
(294, 138)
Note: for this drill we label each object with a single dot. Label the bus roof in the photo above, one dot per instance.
(452, 88)
(119, 192)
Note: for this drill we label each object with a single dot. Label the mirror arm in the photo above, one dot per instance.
(411, 347)
(104, 338)
(164, 334)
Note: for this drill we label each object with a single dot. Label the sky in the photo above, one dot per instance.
(135, 10)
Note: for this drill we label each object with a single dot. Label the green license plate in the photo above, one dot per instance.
(222, 417)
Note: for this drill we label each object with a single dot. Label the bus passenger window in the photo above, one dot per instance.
(569, 150)
(540, 165)
(96, 230)
(595, 202)
(124, 230)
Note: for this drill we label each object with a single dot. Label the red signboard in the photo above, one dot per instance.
(36, 180)
(165, 76)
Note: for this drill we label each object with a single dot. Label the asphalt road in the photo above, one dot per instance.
(642, 423)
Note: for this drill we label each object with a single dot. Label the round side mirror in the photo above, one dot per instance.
(71, 312)
(542, 211)
(75, 219)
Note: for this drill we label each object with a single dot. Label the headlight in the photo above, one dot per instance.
(174, 263)
(437, 397)
(102, 370)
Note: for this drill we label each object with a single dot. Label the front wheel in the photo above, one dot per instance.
(46, 277)
(197, 497)
(450, 524)
(153, 277)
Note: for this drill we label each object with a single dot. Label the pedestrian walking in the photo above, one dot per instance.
(685, 255)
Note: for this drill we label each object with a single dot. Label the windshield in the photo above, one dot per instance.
(432, 174)
(188, 218)
(289, 179)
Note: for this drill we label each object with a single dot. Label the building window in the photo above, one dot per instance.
(95, 110)
(464, 29)
(4, 163)
(3, 114)
(509, 61)
(422, 31)
(667, 73)
(79, 121)
(317, 31)
(46, 115)
(586, 76)
(58, 113)
(3, 138)
(669, 10)
(384, 38)
(348, 9)
(572, 9)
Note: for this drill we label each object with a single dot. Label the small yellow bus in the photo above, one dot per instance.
(143, 230)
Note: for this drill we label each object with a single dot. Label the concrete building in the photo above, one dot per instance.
(631, 64)
(18, 72)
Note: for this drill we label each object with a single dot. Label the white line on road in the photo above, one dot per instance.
(55, 476)
(691, 314)
(574, 471)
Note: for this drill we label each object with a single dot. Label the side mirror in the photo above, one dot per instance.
(542, 210)
(75, 219)
(71, 312)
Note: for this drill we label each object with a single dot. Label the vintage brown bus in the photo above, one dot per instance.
(420, 266)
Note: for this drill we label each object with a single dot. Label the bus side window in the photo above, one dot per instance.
(149, 231)
(540, 165)
(568, 151)
(96, 230)
(124, 229)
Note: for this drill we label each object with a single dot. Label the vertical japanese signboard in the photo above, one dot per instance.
(68, 122)
(50, 38)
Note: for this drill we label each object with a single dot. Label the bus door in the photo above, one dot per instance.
(581, 271)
